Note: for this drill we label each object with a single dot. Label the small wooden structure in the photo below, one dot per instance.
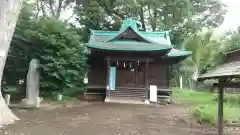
(124, 63)
(227, 75)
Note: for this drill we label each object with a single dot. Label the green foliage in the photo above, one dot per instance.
(206, 114)
(69, 94)
(19, 51)
(191, 97)
(206, 52)
(185, 18)
(56, 44)
(61, 52)
(233, 99)
(182, 17)
(204, 105)
(233, 40)
(66, 97)
(206, 55)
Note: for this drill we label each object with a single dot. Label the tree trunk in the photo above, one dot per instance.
(142, 18)
(9, 11)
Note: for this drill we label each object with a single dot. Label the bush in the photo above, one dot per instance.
(205, 104)
(62, 55)
(58, 46)
(206, 114)
(191, 97)
(233, 99)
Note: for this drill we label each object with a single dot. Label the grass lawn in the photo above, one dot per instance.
(203, 105)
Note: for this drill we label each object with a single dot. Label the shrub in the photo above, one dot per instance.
(206, 114)
(205, 104)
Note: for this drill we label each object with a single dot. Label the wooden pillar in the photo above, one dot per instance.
(220, 107)
(146, 81)
(107, 79)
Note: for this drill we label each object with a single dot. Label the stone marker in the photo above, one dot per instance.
(38, 101)
(59, 96)
(32, 88)
(7, 99)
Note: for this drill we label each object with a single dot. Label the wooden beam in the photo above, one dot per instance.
(227, 84)
(168, 76)
(146, 80)
(220, 107)
(130, 58)
(107, 79)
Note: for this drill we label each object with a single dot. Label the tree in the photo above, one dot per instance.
(54, 8)
(55, 43)
(233, 40)
(182, 17)
(61, 53)
(18, 59)
(207, 54)
(9, 12)
(20, 48)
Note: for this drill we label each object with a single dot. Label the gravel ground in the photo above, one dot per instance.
(106, 119)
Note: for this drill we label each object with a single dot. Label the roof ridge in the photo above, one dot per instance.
(135, 42)
(148, 36)
(136, 31)
(145, 32)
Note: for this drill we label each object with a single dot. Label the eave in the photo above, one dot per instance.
(226, 70)
(128, 46)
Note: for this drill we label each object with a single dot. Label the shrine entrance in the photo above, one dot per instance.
(129, 73)
(125, 63)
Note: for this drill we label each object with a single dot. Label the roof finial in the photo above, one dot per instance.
(130, 22)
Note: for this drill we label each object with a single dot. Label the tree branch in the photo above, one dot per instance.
(51, 7)
(38, 9)
(59, 9)
(42, 7)
(142, 18)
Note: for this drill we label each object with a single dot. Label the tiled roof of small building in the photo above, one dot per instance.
(230, 68)
(225, 70)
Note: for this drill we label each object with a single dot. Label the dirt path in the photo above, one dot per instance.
(106, 119)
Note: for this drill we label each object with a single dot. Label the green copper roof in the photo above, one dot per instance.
(161, 37)
(129, 38)
(128, 46)
(129, 22)
(134, 30)
(145, 33)
(177, 53)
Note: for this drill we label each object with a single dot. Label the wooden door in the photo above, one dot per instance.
(125, 78)
(130, 78)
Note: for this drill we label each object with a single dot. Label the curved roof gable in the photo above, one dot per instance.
(128, 30)
(129, 38)
(156, 37)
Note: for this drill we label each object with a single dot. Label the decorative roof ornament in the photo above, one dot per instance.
(129, 38)
(129, 22)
